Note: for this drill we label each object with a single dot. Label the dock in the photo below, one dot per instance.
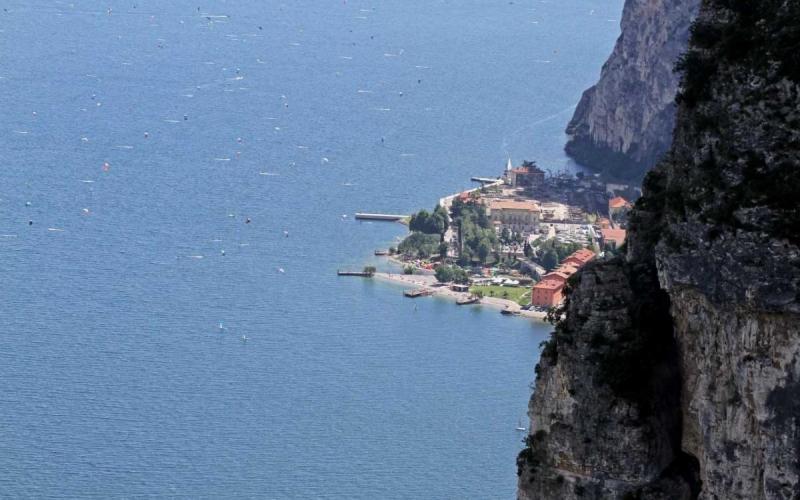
(485, 180)
(413, 294)
(381, 217)
(362, 274)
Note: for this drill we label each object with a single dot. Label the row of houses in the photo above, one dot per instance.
(549, 292)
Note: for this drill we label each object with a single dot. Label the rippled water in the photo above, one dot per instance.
(138, 142)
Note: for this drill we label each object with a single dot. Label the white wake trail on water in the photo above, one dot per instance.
(527, 128)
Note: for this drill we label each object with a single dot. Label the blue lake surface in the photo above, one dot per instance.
(139, 140)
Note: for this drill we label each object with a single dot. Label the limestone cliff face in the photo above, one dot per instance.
(675, 372)
(624, 124)
(605, 413)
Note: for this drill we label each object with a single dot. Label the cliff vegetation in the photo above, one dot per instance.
(674, 372)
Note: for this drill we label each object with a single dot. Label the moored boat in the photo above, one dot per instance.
(472, 299)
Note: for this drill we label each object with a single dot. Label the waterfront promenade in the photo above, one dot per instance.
(428, 282)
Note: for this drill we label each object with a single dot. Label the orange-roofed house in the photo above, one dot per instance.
(579, 257)
(520, 216)
(618, 205)
(604, 222)
(568, 268)
(547, 293)
(468, 196)
(526, 176)
(558, 275)
(613, 238)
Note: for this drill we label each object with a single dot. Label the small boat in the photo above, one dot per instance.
(413, 294)
(472, 299)
(520, 427)
(510, 312)
(381, 252)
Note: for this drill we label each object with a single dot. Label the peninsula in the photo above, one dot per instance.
(514, 242)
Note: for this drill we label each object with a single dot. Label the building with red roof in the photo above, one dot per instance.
(618, 205)
(613, 238)
(550, 291)
(579, 257)
(526, 176)
(618, 202)
(547, 293)
(557, 275)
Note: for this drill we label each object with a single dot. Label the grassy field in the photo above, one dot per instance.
(520, 295)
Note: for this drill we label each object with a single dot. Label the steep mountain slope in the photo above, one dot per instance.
(623, 124)
(675, 372)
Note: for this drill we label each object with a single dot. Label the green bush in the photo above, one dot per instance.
(419, 245)
(454, 274)
(430, 223)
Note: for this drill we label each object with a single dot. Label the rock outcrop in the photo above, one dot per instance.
(624, 124)
(675, 371)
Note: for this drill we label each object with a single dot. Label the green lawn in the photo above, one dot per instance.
(520, 295)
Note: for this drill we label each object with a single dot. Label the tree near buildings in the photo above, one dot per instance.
(430, 223)
(484, 249)
(444, 274)
(505, 236)
(454, 274)
(527, 249)
(549, 259)
(443, 250)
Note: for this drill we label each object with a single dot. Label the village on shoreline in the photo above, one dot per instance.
(512, 243)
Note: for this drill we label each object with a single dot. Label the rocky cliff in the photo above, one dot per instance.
(674, 372)
(624, 124)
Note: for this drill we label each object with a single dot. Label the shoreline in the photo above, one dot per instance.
(429, 283)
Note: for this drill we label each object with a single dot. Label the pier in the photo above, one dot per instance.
(381, 217)
(485, 180)
(361, 274)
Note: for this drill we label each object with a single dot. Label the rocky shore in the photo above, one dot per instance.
(623, 124)
(675, 373)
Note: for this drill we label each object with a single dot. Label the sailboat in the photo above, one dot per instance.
(520, 427)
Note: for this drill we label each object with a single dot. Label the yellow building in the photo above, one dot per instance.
(518, 216)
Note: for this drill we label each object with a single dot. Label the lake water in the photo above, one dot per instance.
(139, 141)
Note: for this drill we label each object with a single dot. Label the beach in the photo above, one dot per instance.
(429, 283)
